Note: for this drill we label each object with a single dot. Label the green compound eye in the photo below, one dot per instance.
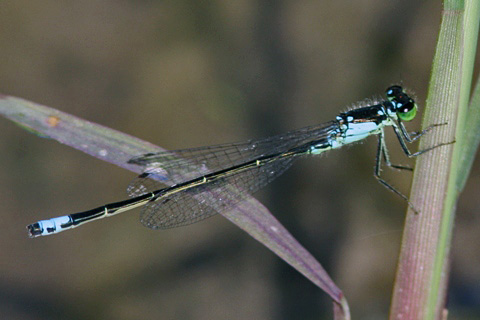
(407, 111)
(405, 107)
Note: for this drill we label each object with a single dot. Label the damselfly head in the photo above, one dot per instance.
(404, 106)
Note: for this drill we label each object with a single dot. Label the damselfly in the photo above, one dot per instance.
(209, 180)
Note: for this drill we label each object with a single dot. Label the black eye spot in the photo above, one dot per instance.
(394, 91)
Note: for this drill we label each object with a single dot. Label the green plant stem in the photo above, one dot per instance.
(422, 273)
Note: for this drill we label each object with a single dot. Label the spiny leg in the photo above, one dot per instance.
(377, 171)
(402, 136)
(386, 157)
(413, 136)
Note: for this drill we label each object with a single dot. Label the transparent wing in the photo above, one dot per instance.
(203, 201)
(150, 180)
(171, 167)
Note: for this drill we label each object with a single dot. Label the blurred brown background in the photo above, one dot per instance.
(188, 73)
